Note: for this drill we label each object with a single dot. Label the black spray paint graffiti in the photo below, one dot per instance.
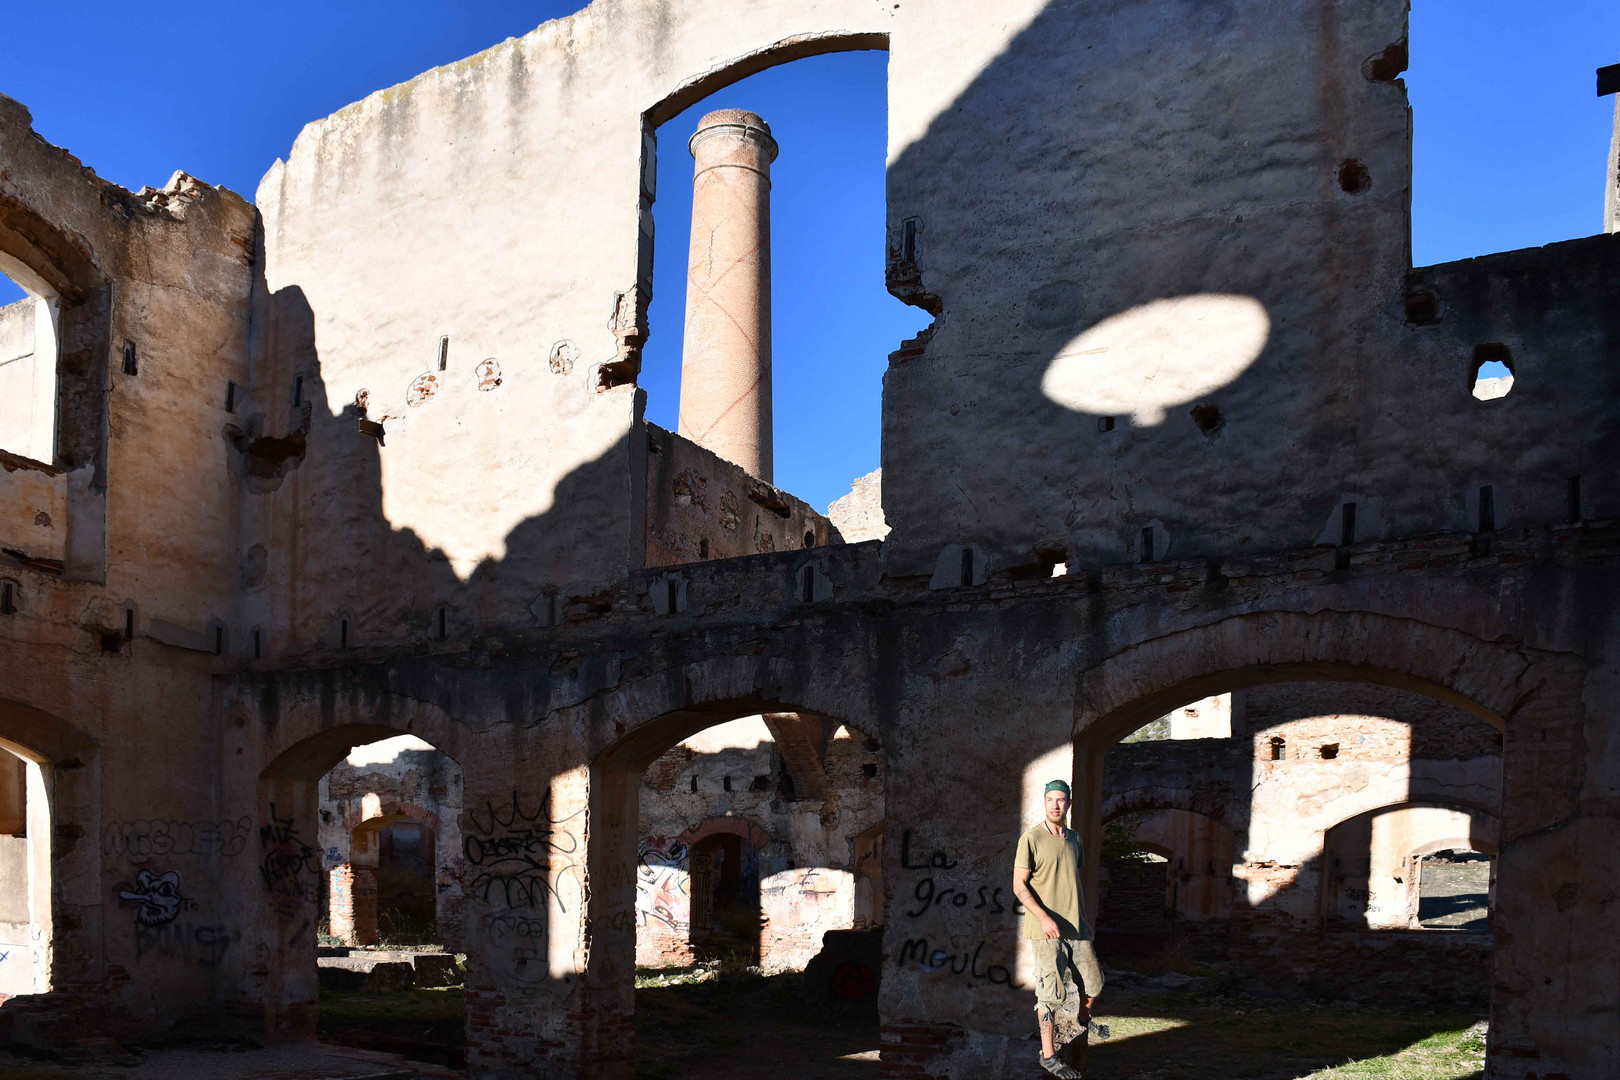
(156, 897)
(518, 946)
(965, 964)
(141, 840)
(203, 945)
(514, 853)
(928, 893)
(286, 858)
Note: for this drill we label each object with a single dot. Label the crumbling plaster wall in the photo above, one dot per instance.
(537, 254)
(1173, 171)
(142, 506)
(700, 506)
(1245, 110)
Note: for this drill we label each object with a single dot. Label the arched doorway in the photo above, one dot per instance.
(725, 899)
(1303, 818)
(351, 875)
(753, 834)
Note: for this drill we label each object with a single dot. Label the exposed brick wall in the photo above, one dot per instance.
(909, 1048)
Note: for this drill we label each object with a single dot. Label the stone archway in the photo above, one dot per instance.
(1535, 697)
(305, 739)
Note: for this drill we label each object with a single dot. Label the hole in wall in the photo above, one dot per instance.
(1354, 177)
(1422, 308)
(1208, 418)
(1492, 371)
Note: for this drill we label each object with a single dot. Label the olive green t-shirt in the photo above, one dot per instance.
(1054, 864)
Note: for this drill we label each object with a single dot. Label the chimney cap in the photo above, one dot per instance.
(745, 124)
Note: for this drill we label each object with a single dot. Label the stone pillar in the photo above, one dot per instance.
(726, 362)
(363, 888)
(340, 903)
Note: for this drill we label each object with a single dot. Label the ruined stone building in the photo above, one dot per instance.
(367, 457)
(757, 837)
(1291, 835)
(390, 846)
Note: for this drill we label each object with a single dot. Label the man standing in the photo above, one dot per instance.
(1046, 880)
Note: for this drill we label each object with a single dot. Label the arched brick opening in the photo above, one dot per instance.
(1355, 857)
(709, 693)
(1198, 847)
(1518, 691)
(305, 739)
(1146, 680)
(355, 889)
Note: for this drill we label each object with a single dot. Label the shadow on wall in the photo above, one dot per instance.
(1147, 299)
(1146, 348)
(294, 466)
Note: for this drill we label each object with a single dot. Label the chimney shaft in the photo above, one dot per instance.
(726, 359)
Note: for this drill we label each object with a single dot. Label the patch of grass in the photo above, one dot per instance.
(1163, 1036)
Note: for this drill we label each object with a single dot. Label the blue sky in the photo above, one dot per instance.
(1510, 149)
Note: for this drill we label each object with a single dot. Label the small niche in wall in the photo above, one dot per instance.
(1487, 508)
(1279, 748)
(1491, 372)
(444, 352)
(230, 397)
(131, 364)
(909, 228)
(1330, 751)
(8, 598)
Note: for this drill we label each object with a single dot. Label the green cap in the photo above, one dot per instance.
(1058, 785)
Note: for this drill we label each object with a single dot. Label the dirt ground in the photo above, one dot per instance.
(1455, 895)
(701, 1026)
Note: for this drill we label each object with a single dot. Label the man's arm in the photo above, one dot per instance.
(1026, 896)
